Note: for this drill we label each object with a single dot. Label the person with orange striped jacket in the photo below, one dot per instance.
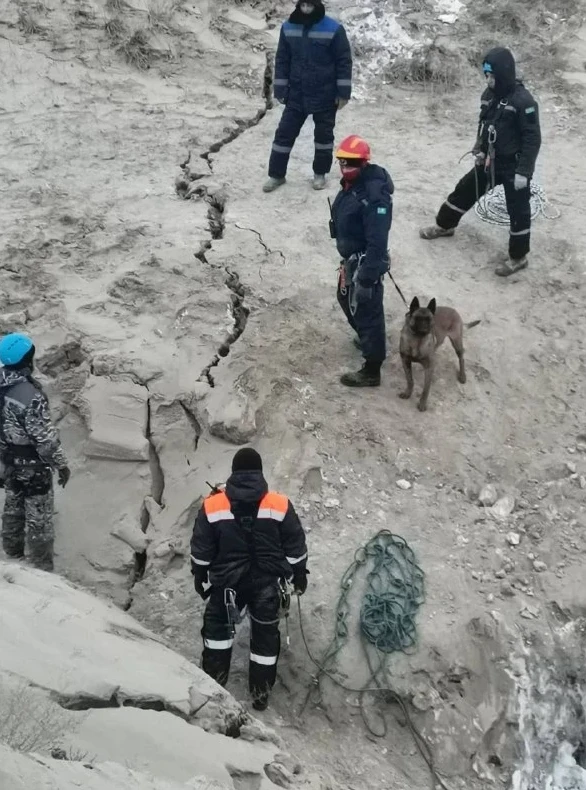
(245, 540)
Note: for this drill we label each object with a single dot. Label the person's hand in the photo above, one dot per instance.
(341, 103)
(63, 476)
(200, 577)
(198, 587)
(521, 182)
(300, 582)
(479, 159)
(362, 292)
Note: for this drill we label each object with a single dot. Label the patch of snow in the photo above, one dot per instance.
(449, 10)
(377, 39)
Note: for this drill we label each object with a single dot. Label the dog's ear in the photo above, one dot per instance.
(414, 305)
(432, 306)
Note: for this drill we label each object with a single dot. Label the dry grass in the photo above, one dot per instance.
(28, 23)
(29, 722)
(533, 29)
(431, 66)
(115, 29)
(137, 50)
(160, 13)
(115, 6)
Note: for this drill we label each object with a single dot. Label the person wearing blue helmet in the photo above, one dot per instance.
(30, 450)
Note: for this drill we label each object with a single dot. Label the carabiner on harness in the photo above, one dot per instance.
(232, 612)
(285, 606)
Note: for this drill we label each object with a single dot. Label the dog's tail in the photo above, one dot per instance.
(472, 324)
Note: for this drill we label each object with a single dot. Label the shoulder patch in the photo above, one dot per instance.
(381, 210)
(529, 110)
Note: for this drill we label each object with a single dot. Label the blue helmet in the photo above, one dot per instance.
(14, 348)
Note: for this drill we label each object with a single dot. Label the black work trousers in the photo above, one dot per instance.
(473, 185)
(263, 604)
(367, 319)
(287, 132)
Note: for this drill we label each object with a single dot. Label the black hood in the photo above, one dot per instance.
(246, 487)
(299, 18)
(504, 70)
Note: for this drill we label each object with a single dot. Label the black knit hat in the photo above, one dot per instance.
(247, 460)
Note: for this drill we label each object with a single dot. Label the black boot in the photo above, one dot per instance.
(261, 702)
(367, 376)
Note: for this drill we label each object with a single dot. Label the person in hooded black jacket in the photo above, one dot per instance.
(506, 149)
(245, 540)
(362, 214)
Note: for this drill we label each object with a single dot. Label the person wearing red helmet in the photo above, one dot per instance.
(361, 221)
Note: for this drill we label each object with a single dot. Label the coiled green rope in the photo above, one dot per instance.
(395, 589)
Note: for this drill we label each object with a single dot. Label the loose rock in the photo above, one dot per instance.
(488, 495)
(404, 485)
(502, 509)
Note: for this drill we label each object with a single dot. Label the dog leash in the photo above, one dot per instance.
(399, 291)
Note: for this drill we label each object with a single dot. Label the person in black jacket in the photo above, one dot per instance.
(313, 76)
(506, 149)
(361, 221)
(246, 540)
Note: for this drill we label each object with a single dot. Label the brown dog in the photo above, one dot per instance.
(424, 330)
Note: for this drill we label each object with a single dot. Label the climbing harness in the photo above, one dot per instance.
(347, 281)
(284, 609)
(395, 589)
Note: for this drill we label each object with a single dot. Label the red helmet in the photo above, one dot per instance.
(353, 147)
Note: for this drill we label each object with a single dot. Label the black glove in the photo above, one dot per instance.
(300, 582)
(198, 586)
(200, 577)
(363, 292)
(64, 474)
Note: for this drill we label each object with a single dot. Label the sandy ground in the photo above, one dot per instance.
(98, 252)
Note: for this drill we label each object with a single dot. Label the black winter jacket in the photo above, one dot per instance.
(362, 214)
(248, 544)
(313, 64)
(514, 114)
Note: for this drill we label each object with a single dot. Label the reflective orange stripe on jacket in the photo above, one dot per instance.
(272, 505)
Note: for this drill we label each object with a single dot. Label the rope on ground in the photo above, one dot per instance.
(492, 207)
(395, 589)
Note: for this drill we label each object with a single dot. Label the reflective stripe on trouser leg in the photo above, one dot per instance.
(325, 122)
(13, 522)
(287, 132)
(519, 208)
(217, 639)
(265, 640)
(40, 534)
(370, 325)
(462, 198)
